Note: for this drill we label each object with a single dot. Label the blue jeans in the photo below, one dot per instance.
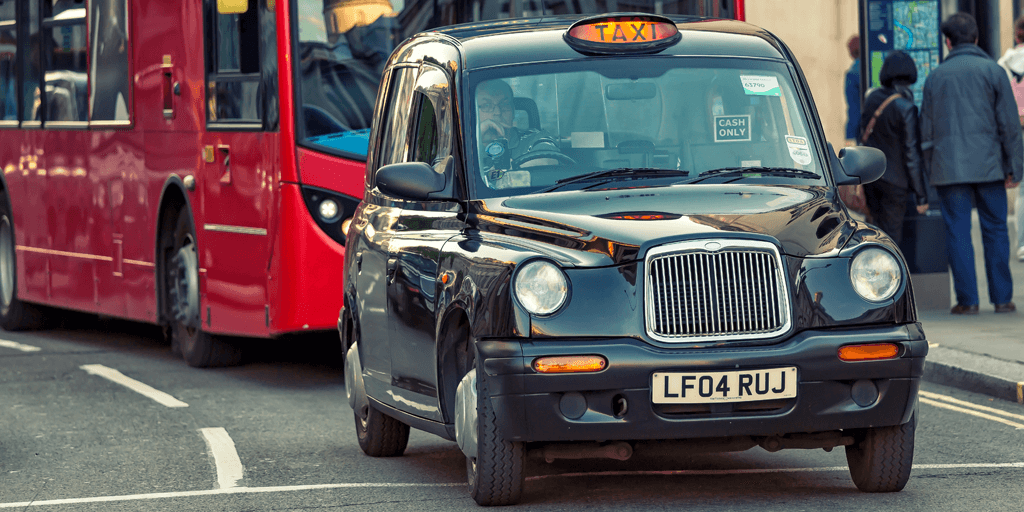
(990, 199)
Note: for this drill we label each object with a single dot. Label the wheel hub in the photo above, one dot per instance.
(6, 262)
(183, 285)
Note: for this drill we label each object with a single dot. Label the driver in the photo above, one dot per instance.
(501, 142)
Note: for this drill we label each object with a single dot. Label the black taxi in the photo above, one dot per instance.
(586, 237)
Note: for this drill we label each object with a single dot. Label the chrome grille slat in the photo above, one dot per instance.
(736, 291)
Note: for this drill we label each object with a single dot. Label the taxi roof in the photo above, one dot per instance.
(487, 44)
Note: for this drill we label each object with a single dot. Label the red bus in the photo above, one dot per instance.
(191, 164)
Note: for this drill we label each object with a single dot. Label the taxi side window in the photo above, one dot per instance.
(393, 148)
(424, 146)
(430, 124)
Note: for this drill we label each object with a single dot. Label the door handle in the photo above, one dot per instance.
(392, 266)
(169, 87)
(224, 155)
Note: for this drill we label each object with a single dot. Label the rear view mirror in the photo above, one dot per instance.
(631, 91)
(410, 180)
(232, 6)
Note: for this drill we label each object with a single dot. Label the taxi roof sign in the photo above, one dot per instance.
(623, 33)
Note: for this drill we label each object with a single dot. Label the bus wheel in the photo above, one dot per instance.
(15, 315)
(197, 347)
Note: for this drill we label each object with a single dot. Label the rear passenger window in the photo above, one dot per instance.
(8, 63)
(64, 54)
(109, 99)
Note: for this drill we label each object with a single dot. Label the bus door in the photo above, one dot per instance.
(239, 166)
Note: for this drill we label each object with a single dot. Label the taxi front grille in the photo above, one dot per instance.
(723, 293)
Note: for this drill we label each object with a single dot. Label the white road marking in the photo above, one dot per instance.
(18, 346)
(225, 457)
(134, 385)
(294, 488)
(989, 413)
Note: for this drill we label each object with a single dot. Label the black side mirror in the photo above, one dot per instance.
(411, 180)
(858, 165)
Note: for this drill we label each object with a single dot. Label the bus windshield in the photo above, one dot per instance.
(343, 45)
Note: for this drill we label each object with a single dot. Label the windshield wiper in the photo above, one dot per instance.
(622, 172)
(771, 171)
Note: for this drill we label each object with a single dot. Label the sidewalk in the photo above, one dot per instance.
(983, 353)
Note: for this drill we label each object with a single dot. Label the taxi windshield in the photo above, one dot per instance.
(667, 120)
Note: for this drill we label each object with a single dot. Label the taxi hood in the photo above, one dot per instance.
(616, 226)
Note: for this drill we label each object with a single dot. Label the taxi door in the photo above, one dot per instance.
(239, 161)
(421, 230)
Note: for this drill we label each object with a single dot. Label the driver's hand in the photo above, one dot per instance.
(491, 130)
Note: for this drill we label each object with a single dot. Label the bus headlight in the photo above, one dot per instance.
(875, 274)
(541, 287)
(329, 210)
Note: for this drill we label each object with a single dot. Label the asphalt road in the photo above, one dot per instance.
(104, 418)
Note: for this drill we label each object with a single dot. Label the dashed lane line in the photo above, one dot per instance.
(134, 385)
(18, 346)
(225, 457)
(980, 411)
(294, 488)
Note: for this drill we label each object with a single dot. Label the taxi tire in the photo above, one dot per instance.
(881, 458)
(381, 435)
(197, 347)
(496, 474)
(15, 315)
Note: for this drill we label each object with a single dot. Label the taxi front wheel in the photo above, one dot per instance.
(881, 458)
(496, 474)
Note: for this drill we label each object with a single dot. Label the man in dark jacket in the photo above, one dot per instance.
(891, 116)
(971, 139)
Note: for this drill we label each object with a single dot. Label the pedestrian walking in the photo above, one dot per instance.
(852, 90)
(889, 122)
(1013, 62)
(972, 146)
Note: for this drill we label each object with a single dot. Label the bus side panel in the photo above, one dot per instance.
(77, 219)
(307, 265)
(167, 154)
(237, 190)
(168, 49)
(126, 282)
(22, 165)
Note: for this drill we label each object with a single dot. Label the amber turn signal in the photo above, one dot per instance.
(872, 352)
(569, 364)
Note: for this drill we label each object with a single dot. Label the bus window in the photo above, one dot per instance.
(64, 35)
(108, 73)
(233, 66)
(8, 61)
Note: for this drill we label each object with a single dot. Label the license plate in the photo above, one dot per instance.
(732, 386)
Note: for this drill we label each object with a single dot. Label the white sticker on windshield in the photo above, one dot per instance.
(798, 149)
(756, 85)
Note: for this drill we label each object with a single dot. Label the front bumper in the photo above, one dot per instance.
(530, 405)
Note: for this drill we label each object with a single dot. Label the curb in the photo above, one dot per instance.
(976, 373)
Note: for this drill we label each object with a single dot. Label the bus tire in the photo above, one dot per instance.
(197, 347)
(881, 458)
(15, 315)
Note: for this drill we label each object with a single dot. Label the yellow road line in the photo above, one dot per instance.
(992, 410)
(1018, 426)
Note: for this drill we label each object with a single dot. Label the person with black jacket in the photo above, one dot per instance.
(889, 122)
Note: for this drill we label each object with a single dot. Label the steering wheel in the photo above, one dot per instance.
(537, 155)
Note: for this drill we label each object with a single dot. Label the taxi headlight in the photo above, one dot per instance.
(541, 287)
(875, 274)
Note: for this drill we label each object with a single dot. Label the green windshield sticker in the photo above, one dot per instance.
(754, 85)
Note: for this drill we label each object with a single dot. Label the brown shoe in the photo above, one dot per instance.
(961, 309)
(1009, 307)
